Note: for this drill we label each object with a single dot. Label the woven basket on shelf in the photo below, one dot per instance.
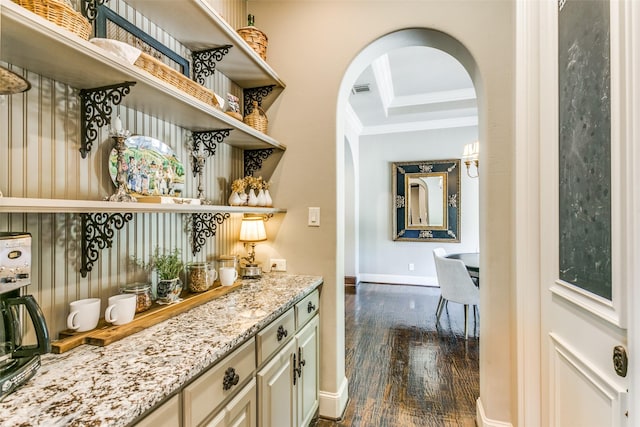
(60, 14)
(257, 119)
(255, 38)
(175, 78)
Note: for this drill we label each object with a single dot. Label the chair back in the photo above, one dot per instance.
(454, 280)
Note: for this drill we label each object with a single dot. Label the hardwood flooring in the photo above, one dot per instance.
(403, 369)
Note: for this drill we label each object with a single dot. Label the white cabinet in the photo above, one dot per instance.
(167, 415)
(240, 411)
(288, 383)
(307, 382)
(276, 393)
(202, 398)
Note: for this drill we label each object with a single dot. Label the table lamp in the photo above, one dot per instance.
(252, 231)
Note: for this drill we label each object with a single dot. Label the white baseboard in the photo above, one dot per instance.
(399, 280)
(332, 405)
(483, 421)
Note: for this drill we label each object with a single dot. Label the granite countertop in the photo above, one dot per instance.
(114, 385)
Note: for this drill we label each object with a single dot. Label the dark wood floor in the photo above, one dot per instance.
(403, 370)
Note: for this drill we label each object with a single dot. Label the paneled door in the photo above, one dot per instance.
(587, 262)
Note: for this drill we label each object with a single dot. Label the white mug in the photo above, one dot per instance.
(212, 276)
(228, 275)
(121, 309)
(84, 314)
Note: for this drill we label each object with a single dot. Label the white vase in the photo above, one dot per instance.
(243, 198)
(253, 199)
(262, 201)
(267, 199)
(234, 199)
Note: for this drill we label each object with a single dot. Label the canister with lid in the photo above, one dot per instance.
(143, 295)
(200, 276)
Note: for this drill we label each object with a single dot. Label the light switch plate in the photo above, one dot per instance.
(314, 217)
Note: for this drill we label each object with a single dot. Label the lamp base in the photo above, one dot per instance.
(250, 271)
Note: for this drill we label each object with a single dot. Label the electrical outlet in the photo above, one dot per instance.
(278, 264)
(411, 267)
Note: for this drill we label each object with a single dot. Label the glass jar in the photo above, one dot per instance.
(200, 276)
(228, 261)
(143, 295)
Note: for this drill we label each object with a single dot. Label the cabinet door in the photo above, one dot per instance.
(167, 415)
(307, 383)
(276, 393)
(240, 412)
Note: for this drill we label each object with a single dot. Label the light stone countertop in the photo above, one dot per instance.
(114, 385)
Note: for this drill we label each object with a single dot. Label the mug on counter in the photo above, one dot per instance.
(121, 309)
(84, 314)
(227, 275)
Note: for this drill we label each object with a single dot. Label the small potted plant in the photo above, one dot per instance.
(168, 266)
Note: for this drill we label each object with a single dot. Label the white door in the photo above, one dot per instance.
(307, 384)
(586, 188)
(276, 393)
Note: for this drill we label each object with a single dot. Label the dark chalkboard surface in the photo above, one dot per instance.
(585, 145)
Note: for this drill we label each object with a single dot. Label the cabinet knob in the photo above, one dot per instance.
(230, 379)
(282, 332)
(311, 307)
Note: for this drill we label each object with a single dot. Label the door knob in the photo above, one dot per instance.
(620, 360)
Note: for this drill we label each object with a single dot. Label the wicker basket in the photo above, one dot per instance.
(256, 39)
(257, 119)
(175, 78)
(60, 14)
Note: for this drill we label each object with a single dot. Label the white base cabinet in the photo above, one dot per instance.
(240, 411)
(283, 392)
(288, 384)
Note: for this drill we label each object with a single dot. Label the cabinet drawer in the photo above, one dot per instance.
(167, 415)
(307, 308)
(274, 336)
(205, 394)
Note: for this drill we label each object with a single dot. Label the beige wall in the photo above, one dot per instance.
(311, 45)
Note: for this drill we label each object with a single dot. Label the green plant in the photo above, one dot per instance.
(169, 265)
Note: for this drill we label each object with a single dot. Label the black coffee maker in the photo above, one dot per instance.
(18, 361)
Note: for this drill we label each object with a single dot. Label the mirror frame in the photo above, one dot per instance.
(450, 232)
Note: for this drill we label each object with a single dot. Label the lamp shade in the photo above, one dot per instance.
(252, 230)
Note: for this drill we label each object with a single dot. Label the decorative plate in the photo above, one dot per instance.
(150, 166)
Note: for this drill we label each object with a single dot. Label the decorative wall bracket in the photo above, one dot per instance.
(204, 62)
(90, 8)
(253, 159)
(255, 94)
(98, 230)
(204, 225)
(208, 140)
(96, 108)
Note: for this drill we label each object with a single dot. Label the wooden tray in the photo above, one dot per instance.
(105, 333)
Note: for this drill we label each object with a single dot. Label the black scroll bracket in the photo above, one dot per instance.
(90, 8)
(203, 226)
(98, 230)
(96, 108)
(204, 62)
(253, 160)
(255, 94)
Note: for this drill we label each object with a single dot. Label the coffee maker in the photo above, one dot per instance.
(18, 361)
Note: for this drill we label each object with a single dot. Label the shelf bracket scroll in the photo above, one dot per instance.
(253, 159)
(98, 230)
(90, 8)
(204, 62)
(204, 225)
(255, 94)
(96, 108)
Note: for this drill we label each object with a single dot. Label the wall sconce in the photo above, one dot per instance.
(470, 156)
(251, 231)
